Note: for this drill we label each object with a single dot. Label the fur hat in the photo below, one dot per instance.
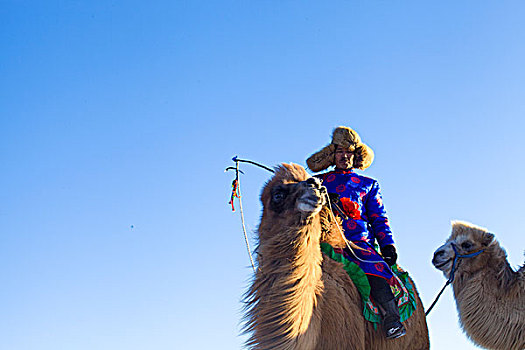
(347, 138)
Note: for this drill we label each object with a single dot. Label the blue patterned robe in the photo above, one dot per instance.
(367, 223)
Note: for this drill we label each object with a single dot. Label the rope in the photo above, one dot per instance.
(236, 192)
(436, 299)
(238, 188)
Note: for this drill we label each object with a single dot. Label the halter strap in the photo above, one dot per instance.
(452, 272)
(460, 256)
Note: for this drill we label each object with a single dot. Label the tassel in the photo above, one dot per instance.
(235, 187)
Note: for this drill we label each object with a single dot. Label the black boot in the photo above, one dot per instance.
(382, 294)
(391, 321)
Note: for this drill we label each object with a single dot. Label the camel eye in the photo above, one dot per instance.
(278, 196)
(466, 245)
(277, 200)
(279, 193)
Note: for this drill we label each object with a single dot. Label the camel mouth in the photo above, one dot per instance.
(309, 204)
(441, 265)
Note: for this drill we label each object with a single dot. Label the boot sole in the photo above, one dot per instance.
(398, 334)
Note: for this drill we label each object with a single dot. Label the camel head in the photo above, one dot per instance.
(465, 239)
(291, 197)
(288, 282)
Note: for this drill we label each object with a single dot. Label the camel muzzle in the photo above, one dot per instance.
(313, 197)
(440, 259)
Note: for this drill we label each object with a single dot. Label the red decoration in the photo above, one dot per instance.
(351, 224)
(235, 192)
(330, 178)
(351, 208)
(367, 252)
(341, 188)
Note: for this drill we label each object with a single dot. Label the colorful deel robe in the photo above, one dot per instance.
(367, 223)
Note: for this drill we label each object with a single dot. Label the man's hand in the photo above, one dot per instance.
(389, 254)
(334, 197)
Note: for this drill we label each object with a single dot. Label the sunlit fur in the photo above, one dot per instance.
(490, 295)
(302, 300)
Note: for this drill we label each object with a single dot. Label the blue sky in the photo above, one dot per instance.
(118, 119)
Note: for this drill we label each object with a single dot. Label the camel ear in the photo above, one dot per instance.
(488, 238)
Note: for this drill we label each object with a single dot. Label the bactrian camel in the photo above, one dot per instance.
(490, 295)
(300, 299)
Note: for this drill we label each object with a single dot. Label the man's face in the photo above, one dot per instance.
(344, 158)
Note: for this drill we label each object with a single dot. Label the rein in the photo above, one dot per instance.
(452, 272)
(236, 192)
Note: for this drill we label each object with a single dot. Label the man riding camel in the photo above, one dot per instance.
(365, 221)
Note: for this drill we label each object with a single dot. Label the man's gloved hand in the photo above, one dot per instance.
(336, 204)
(334, 197)
(389, 254)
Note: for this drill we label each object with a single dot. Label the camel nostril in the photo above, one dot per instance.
(439, 254)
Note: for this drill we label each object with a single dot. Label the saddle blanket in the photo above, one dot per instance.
(399, 284)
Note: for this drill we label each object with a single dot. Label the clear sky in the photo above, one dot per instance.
(117, 119)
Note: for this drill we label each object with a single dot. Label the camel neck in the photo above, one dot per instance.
(498, 308)
(289, 284)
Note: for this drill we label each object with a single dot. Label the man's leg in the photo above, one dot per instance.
(382, 294)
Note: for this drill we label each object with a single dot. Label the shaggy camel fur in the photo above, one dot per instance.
(300, 299)
(490, 295)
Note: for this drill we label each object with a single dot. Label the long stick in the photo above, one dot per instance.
(235, 159)
(242, 215)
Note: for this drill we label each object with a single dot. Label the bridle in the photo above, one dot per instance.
(457, 256)
(460, 256)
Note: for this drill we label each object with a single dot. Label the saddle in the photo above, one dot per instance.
(400, 286)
